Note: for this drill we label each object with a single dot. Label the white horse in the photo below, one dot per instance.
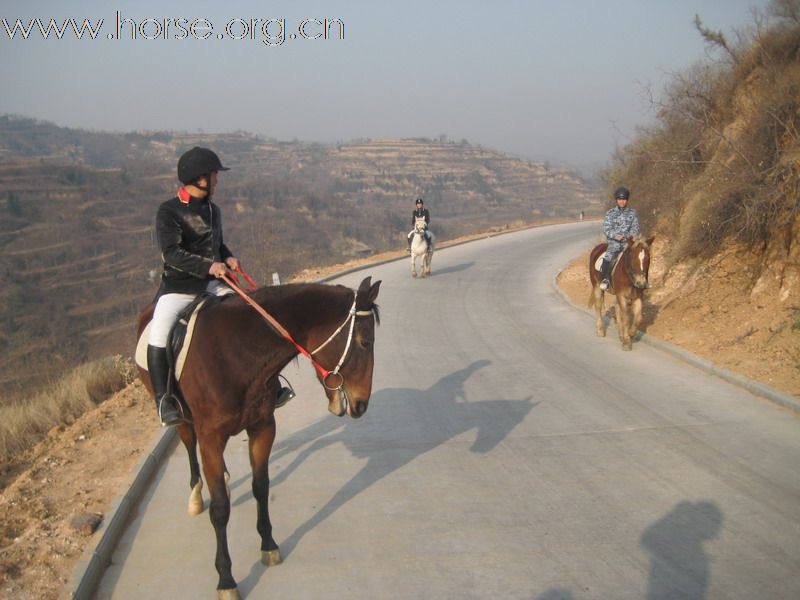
(421, 248)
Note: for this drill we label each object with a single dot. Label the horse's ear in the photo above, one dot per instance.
(368, 289)
(373, 291)
(650, 240)
(365, 283)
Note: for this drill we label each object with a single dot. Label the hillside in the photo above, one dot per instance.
(78, 254)
(719, 176)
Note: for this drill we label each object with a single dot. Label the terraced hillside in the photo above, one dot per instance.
(78, 256)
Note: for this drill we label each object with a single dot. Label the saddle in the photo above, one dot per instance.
(180, 336)
(599, 262)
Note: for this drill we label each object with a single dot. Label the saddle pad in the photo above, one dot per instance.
(599, 262)
(141, 345)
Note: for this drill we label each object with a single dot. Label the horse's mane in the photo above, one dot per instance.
(311, 293)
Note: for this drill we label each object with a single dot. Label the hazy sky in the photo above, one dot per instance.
(561, 80)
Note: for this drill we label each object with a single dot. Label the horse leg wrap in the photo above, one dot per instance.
(196, 499)
(232, 594)
(270, 558)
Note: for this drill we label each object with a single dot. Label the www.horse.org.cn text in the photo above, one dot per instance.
(271, 32)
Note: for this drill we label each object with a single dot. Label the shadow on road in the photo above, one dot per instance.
(453, 269)
(679, 566)
(556, 594)
(425, 419)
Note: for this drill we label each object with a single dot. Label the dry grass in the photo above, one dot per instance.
(24, 422)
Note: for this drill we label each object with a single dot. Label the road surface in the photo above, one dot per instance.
(507, 453)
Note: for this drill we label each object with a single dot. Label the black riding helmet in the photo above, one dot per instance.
(419, 201)
(196, 163)
(622, 193)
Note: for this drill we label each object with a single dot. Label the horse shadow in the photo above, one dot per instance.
(679, 565)
(649, 314)
(453, 269)
(434, 416)
(555, 594)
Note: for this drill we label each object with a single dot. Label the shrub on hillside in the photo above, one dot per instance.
(722, 160)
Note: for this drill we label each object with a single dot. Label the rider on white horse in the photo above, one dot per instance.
(420, 212)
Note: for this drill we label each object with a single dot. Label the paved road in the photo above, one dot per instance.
(507, 453)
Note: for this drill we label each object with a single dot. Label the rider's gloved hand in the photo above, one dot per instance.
(217, 269)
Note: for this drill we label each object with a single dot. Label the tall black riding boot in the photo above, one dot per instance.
(605, 274)
(166, 405)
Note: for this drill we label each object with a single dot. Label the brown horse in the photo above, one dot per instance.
(230, 383)
(628, 283)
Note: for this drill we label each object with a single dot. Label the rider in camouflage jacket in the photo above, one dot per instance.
(620, 223)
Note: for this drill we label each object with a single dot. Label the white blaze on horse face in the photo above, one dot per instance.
(642, 256)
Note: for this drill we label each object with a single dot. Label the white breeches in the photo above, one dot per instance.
(170, 305)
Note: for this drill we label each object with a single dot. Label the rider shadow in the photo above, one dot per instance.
(435, 416)
(679, 566)
(453, 269)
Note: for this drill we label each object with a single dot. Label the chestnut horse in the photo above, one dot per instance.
(230, 383)
(628, 283)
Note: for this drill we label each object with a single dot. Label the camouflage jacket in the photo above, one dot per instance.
(621, 221)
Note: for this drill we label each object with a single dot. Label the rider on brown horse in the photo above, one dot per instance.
(189, 232)
(620, 223)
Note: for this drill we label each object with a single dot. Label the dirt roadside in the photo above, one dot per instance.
(80, 469)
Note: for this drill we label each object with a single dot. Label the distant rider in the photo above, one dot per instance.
(619, 224)
(420, 212)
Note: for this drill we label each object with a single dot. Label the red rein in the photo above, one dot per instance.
(270, 319)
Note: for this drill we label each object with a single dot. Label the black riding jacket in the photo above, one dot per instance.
(190, 238)
(419, 213)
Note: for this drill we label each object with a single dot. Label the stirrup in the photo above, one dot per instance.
(285, 394)
(174, 419)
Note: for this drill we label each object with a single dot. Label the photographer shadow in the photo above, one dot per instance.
(679, 565)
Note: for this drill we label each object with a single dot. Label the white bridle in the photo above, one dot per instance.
(351, 318)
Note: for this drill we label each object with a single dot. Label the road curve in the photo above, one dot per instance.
(507, 453)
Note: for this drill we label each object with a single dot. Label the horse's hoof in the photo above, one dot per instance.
(232, 594)
(627, 346)
(414, 275)
(270, 558)
(601, 334)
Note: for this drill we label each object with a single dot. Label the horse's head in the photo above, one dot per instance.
(637, 263)
(420, 225)
(348, 390)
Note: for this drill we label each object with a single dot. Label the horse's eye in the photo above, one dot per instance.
(365, 343)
